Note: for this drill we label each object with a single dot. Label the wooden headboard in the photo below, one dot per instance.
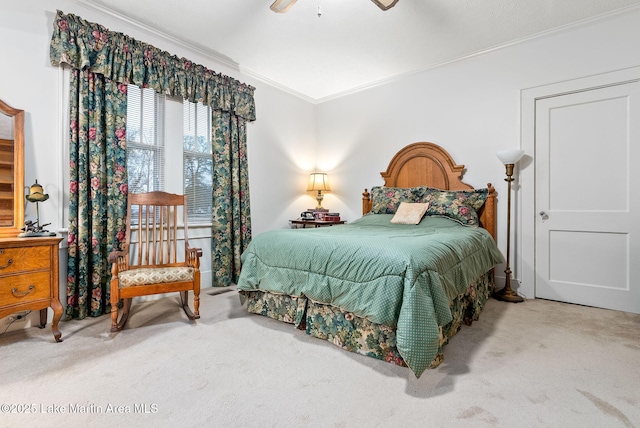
(427, 164)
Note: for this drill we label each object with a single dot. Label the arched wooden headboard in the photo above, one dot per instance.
(427, 164)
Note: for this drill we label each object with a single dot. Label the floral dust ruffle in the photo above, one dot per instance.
(357, 334)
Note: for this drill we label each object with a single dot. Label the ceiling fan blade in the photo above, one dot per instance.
(385, 4)
(281, 6)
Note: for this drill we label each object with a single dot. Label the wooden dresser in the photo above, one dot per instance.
(29, 278)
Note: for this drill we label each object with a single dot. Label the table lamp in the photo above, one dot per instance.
(319, 181)
(31, 229)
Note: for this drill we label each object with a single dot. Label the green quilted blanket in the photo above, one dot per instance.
(402, 276)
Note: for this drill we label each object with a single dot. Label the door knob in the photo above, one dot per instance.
(543, 215)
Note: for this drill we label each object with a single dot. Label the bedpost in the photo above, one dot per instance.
(488, 213)
(366, 202)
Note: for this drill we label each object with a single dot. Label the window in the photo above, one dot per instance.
(145, 140)
(198, 161)
(152, 118)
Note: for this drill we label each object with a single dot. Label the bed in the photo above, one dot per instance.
(395, 292)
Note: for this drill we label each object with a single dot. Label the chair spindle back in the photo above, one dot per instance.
(156, 240)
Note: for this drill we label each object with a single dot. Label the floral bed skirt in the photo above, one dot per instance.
(357, 334)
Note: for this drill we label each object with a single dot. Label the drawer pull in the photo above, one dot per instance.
(16, 293)
(9, 263)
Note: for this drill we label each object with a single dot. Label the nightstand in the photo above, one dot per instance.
(313, 223)
(29, 278)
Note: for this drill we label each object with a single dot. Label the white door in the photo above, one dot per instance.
(587, 181)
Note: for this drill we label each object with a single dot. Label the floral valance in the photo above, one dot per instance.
(83, 44)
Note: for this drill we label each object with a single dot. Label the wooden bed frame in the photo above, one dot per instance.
(418, 164)
(427, 164)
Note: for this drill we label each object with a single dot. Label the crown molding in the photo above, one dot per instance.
(209, 53)
(217, 57)
(558, 30)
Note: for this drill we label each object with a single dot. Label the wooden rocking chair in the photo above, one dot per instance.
(149, 263)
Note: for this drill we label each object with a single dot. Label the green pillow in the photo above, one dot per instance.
(385, 200)
(459, 205)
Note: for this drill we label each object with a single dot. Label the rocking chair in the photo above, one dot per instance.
(149, 262)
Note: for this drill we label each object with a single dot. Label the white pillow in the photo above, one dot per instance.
(410, 213)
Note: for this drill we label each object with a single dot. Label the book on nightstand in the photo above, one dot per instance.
(319, 212)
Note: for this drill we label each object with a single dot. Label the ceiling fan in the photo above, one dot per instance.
(282, 6)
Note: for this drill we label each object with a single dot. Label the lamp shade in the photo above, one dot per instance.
(36, 193)
(319, 181)
(510, 156)
(385, 4)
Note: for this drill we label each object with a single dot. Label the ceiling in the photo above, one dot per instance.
(353, 44)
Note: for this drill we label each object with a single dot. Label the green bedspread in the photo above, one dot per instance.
(402, 276)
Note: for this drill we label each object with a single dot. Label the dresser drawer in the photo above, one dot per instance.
(24, 288)
(21, 259)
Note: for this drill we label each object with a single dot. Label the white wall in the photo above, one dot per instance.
(470, 107)
(281, 155)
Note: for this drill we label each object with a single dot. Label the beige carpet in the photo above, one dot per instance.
(536, 363)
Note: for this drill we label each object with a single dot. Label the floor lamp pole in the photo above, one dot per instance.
(507, 294)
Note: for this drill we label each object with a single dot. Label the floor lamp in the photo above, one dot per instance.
(509, 158)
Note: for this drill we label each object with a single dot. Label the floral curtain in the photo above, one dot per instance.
(98, 190)
(120, 59)
(231, 214)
